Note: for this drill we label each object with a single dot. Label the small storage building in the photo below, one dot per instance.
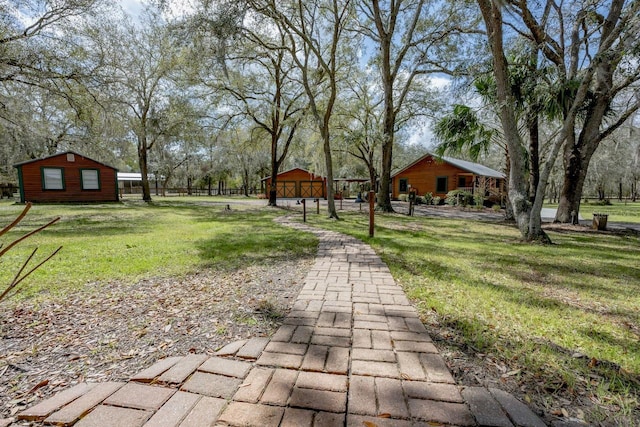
(439, 175)
(67, 177)
(297, 183)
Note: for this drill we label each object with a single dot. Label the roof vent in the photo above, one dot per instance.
(71, 157)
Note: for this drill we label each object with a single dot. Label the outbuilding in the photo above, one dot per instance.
(297, 183)
(439, 175)
(67, 177)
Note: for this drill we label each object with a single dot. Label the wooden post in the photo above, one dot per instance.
(372, 203)
(318, 206)
(304, 210)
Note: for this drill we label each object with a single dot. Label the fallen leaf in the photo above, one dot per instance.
(385, 415)
(511, 373)
(37, 386)
(167, 328)
(369, 424)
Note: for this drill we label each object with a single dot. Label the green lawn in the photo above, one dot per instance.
(131, 240)
(617, 211)
(532, 307)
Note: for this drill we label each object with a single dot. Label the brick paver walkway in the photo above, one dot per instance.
(351, 352)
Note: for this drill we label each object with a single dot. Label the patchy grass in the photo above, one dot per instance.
(562, 319)
(133, 240)
(617, 211)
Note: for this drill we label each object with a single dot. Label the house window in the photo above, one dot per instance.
(442, 184)
(404, 184)
(90, 179)
(462, 181)
(52, 179)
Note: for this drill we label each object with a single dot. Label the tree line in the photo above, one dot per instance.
(222, 88)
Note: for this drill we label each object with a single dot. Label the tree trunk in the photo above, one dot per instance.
(372, 176)
(142, 162)
(529, 227)
(508, 209)
(576, 160)
(275, 167)
(534, 153)
(331, 203)
(620, 191)
(578, 153)
(384, 199)
(245, 178)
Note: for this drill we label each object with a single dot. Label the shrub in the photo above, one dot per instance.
(478, 200)
(419, 200)
(436, 200)
(459, 198)
(428, 198)
(402, 197)
(496, 208)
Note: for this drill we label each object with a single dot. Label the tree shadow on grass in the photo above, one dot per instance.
(255, 240)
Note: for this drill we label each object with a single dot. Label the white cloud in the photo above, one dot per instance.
(440, 82)
(421, 134)
(176, 8)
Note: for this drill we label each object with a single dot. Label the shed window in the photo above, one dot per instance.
(404, 183)
(442, 184)
(90, 179)
(52, 179)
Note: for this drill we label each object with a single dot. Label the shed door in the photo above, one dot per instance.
(312, 189)
(286, 189)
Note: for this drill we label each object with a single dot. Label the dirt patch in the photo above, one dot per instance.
(111, 331)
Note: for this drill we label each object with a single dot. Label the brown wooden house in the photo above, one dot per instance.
(67, 177)
(439, 175)
(297, 183)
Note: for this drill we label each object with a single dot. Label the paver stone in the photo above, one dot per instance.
(174, 411)
(212, 385)
(113, 416)
(46, 407)
(227, 367)
(253, 348)
(72, 412)
(140, 396)
(155, 370)
(181, 370)
(205, 413)
(321, 400)
(252, 415)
